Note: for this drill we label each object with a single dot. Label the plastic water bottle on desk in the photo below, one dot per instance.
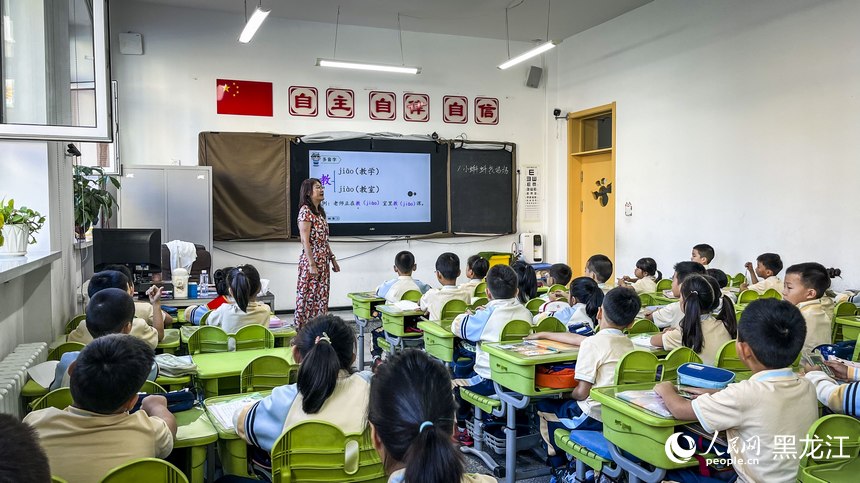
(203, 286)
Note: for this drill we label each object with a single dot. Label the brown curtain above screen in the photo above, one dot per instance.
(250, 184)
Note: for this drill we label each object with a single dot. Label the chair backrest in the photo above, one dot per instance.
(58, 398)
(646, 299)
(73, 323)
(320, 452)
(736, 280)
(61, 349)
(727, 357)
(845, 309)
(747, 296)
(480, 289)
(641, 326)
(557, 287)
(674, 359)
(411, 295)
(636, 366)
(550, 324)
(534, 305)
(452, 309)
(266, 373)
(150, 470)
(837, 437)
(771, 294)
(664, 284)
(208, 339)
(515, 330)
(254, 337)
(204, 318)
(152, 387)
(57, 479)
(479, 302)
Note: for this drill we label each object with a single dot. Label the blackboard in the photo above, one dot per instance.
(482, 183)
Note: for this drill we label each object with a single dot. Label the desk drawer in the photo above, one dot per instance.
(439, 347)
(645, 442)
(362, 310)
(511, 376)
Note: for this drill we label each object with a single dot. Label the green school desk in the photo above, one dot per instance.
(363, 304)
(215, 366)
(394, 325)
(232, 450)
(438, 339)
(661, 299)
(195, 432)
(170, 342)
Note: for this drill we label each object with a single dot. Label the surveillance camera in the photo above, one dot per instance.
(73, 150)
(556, 112)
(435, 136)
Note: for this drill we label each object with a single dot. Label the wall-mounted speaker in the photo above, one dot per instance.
(535, 74)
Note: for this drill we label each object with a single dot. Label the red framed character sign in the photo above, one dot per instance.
(486, 110)
(382, 105)
(455, 109)
(304, 101)
(416, 107)
(340, 103)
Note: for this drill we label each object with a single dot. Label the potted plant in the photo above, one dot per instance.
(91, 197)
(18, 228)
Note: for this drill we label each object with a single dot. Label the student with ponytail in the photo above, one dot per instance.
(724, 308)
(586, 297)
(243, 285)
(804, 286)
(645, 277)
(412, 421)
(699, 329)
(327, 388)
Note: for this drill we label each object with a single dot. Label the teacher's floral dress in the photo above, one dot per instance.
(312, 292)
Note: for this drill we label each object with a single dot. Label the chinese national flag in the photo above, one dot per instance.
(245, 98)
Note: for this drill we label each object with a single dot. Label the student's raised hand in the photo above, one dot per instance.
(744, 286)
(154, 294)
(839, 369)
(748, 266)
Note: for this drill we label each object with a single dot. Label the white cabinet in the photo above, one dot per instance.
(176, 199)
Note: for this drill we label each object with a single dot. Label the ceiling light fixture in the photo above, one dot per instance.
(253, 24)
(549, 44)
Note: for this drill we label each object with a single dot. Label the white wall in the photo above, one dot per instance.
(736, 126)
(167, 96)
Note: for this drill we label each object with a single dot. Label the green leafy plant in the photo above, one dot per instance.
(2, 222)
(21, 216)
(91, 196)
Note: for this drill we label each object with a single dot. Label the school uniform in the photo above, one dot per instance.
(83, 446)
(262, 423)
(668, 315)
(139, 329)
(838, 397)
(399, 476)
(393, 290)
(435, 299)
(605, 287)
(763, 285)
(470, 286)
(231, 318)
(646, 284)
(770, 404)
(818, 316)
(714, 336)
(143, 310)
(731, 295)
(574, 315)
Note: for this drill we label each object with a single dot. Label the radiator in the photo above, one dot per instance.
(13, 375)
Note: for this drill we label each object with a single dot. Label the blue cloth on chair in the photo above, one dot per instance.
(593, 440)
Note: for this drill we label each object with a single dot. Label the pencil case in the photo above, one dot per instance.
(706, 377)
(555, 376)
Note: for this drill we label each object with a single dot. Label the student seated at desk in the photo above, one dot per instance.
(152, 335)
(703, 253)
(96, 433)
(670, 315)
(243, 285)
(410, 422)
(194, 313)
(723, 281)
(447, 271)
(22, 460)
(842, 394)
(142, 310)
(646, 274)
(599, 267)
(768, 265)
(526, 281)
(558, 274)
(327, 389)
(393, 290)
(774, 404)
(805, 284)
(700, 330)
(580, 317)
(476, 269)
(595, 367)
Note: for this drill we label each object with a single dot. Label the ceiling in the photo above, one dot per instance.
(473, 18)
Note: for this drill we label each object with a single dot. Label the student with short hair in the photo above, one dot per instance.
(699, 329)
(774, 402)
(142, 310)
(805, 284)
(526, 281)
(723, 282)
(447, 271)
(768, 265)
(151, 334)
(702, 253)
(327, 389)
(393, 290)
(411, 424)
(646, 277)
(599, 267)
(22, 460)
(559, 274)
(96, 433)
(243, 284)
(670, 315)
(476, 269)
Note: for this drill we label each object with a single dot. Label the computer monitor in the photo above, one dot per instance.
(137, 248)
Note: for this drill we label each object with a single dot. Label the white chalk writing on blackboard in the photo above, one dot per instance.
(485, 169)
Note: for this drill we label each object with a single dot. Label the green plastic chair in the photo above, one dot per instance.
(254, 337)
(480, 290)
(636, 366)
(61, 349)
(727, 358)
(479, 302)
(664, 284)
(266, 373)
(74, 322)
(833, 463)
(674, 359)
(57, 479)
(145, 470)
(557, 287)
(320, 452)
(771, 294)
(208, 339)
(647, 300)
(641, 326)
(534, 305)
(747, 296)
(844, 309)
(411, 295)
(58, 398)
(550, 324)
(737, 280)
(152, 387)
(515, 330)
(584, 456)
(452, 309)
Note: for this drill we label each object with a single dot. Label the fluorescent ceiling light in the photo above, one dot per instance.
(345, 64)
(253, 24)
(528, 55)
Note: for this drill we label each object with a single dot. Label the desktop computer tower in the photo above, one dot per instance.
(531, 246)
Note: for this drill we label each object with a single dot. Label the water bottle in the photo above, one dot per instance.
(203, 286)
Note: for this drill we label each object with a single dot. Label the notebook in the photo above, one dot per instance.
(647, 400)
(223, 411)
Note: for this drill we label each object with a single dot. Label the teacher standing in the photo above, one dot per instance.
(313, 286)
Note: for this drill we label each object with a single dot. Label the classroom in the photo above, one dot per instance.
(177, 137)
